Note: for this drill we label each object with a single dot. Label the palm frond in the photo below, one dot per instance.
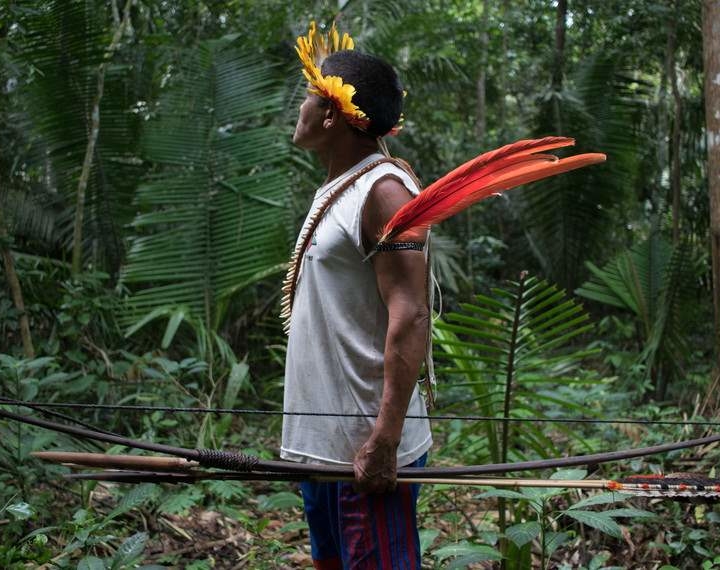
(568, 216)
(211, 218)
(655, 282)
(445, 261)
(63, 43)
(510, 348)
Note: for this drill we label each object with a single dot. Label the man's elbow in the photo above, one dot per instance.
(411, 317)
(421, 317)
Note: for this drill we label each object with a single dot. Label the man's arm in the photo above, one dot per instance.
(401, 281)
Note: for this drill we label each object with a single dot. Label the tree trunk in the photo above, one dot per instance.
(8, 262)
(502, 76)
(481, 115)
(480, 124)
(676, 122)
(711, 51)
(15, 290)
(559, 61)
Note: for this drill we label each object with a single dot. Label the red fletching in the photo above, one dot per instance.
(488, 174)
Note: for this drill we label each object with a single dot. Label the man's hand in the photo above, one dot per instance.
(375, 467)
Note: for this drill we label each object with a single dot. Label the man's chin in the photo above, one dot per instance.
(298, 141)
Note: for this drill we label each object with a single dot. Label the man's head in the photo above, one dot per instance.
(378, 92)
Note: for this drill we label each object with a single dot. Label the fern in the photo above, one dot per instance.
(510, 349)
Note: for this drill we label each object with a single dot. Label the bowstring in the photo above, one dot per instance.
(434, 417)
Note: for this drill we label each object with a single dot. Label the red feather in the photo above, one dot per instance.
(492, 172)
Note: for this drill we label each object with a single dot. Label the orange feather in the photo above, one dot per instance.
(488, 174)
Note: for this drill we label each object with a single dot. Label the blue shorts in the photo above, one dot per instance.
(350, 530)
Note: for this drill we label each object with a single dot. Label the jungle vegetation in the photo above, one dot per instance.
(150, 197)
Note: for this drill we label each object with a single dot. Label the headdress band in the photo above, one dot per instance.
(312, 51)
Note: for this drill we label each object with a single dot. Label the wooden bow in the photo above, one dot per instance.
(253, 465)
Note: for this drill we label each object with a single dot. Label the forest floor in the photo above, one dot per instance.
(261, 527)
(278, 538)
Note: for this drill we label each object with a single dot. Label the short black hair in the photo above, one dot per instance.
(378, 91)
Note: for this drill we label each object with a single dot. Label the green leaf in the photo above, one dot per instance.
(465, 548)
(468, 559)
(540, 493)
(554, 540)
(569, 474)
(37, 363)
(21, 511)
(655, 281)
(502, 493)
(28, 389)
(238, 376)
(133, 498)
(226, 489)
(598, 561)
(91, 563)
(178, 502)
(697, 534)
(148, 318)
(293, 526)
(129, 551)
(282, 500)
(64, 44)
(174, 322)
(53, 378)
(600, 499)
(488, 344)
(629, 512)
(600, 521)
(427, 537)
(523, 533)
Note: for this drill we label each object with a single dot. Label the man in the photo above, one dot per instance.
(358, 328)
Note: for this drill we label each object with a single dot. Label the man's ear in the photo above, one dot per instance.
(331, 116)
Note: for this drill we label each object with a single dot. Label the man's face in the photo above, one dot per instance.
(309, 131)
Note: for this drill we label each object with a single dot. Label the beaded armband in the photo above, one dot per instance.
(400, 246)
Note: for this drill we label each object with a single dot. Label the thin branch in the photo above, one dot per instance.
(92, 141)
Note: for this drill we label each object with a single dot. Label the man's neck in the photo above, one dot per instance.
(340, 159)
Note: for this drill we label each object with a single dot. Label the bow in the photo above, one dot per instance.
(249, 464)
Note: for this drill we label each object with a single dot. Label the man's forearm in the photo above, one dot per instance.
(404, 352)
(375, 463)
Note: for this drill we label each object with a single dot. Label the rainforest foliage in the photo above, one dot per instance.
(149, 200)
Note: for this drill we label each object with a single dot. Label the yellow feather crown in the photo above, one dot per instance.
(312, 50)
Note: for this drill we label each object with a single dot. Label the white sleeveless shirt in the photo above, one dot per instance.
(337, 336)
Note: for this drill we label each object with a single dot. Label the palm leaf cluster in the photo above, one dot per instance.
(211, 220)
(656, 282)
(509, 349)
(567, 217)
(63, 44)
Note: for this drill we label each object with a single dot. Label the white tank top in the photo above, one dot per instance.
(337, 336)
